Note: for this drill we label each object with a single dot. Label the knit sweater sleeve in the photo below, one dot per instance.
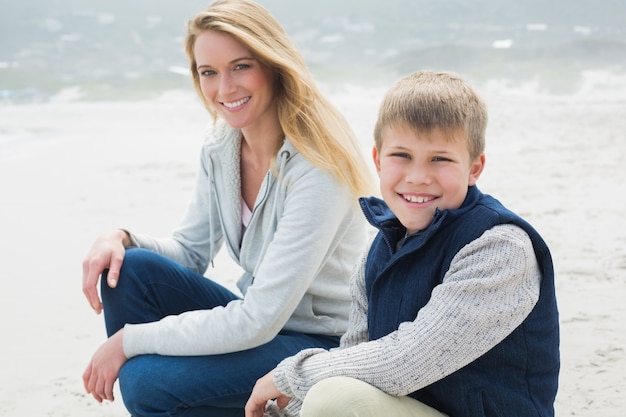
(490, 288)
(357, 324)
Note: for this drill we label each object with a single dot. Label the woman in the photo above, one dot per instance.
(278, 182)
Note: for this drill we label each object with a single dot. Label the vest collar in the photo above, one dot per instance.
(379, 215)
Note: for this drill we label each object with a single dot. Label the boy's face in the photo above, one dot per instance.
(420, 173)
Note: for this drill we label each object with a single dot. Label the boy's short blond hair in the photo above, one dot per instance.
(426, 100)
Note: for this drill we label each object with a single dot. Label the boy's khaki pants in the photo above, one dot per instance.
(348, 397)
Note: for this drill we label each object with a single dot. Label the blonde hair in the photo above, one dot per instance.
(313, 125)
(427, 100)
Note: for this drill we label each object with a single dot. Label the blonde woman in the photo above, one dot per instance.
(279, 177)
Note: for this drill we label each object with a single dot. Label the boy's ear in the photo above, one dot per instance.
(376, 159)
(476, 169)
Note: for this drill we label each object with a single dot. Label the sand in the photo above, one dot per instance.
(70, 170)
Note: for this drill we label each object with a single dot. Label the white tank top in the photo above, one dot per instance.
(246, 214)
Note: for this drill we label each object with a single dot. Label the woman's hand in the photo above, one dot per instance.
(263, 391)
(107, 252)
(104, 368)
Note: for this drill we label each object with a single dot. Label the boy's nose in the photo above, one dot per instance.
(417, 174)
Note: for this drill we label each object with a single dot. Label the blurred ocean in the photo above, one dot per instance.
(121, 50)
(71, 50)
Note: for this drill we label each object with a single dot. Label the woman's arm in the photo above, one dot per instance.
(307, 235)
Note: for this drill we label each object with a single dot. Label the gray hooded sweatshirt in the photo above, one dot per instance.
(304, 237)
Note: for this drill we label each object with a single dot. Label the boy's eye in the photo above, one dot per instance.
(440, 159)
(401, 155)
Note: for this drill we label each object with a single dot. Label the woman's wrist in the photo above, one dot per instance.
(124, 236)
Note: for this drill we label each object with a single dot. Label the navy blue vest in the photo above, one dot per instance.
(519, 376)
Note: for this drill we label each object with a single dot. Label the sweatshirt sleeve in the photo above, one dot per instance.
(308, 232)
(492, 284)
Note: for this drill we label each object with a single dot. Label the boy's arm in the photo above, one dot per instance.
(491, 287)
(357, 325)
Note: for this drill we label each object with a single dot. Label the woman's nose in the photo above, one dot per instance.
(227, 85)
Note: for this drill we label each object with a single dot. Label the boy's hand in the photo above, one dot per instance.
(263, 391)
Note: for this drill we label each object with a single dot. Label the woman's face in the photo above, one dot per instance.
(236, 84)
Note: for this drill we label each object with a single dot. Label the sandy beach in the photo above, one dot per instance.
(70, 170)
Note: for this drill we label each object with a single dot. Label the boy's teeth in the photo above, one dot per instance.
(415, 199)
(236, 103)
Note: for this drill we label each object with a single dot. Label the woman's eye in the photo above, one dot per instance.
(207, 73)
(241, 66)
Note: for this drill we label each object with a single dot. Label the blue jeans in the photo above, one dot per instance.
(151, 287)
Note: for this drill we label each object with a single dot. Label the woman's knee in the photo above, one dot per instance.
(127, 302)
(139, 259)
(140, 266)
(143, 387)
(131, 382)
(134, 259)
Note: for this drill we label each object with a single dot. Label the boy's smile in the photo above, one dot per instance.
(420, 172)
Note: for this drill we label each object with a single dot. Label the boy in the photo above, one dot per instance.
(454, 310)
